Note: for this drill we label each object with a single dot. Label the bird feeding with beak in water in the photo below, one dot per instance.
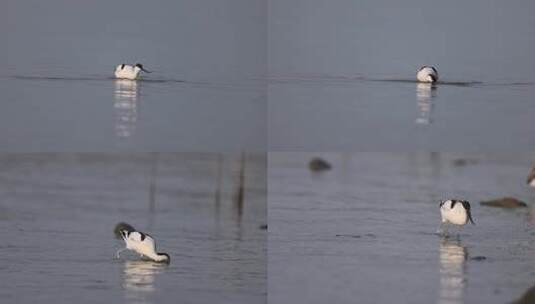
(456, 212)
(141, 243)
(125, 71)
(427, 74)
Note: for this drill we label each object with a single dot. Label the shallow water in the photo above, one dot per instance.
(58, 211)
(342, 75)
(207, 61)
(365, 231)
(43, 114)
(383, 115)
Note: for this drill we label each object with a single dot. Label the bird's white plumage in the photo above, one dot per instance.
(143, 244)
(454, 212)
(427, 74)
(531, 178)
(456, 215)
(125, 71)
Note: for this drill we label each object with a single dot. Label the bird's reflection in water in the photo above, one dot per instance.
(125, 104)
(452, 271)
(138, 278)
(425, 93)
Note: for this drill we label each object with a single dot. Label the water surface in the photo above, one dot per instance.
(206, 91)
(365, 231)
(384, 115)
(342, 75)
(58, 211)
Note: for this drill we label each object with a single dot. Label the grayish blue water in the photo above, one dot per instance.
(364, 231)
(342, 75)
(399, 116)
(58, 211)
(205, 94)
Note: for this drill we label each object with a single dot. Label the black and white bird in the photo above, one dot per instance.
(456, 212)
(141, 243)
(125, 71)
(427, 74)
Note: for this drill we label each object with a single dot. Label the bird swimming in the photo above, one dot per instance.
(427, 74)
(456, 212)
(125, 71)
(141, 243)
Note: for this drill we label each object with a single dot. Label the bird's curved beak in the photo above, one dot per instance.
(146, 70)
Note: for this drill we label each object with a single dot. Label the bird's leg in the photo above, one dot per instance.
(439, 229)
(445, 232)
(118, 254)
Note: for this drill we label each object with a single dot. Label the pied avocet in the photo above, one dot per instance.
(125, 71)
(427, 74)
(456, 212)
(141, 243)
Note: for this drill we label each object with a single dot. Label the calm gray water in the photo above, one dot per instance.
(58, 211)
(342, 71)
(205, 92)
(364, 232)
(400, 116)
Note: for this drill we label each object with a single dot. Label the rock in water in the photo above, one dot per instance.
(528, 297)
(478, 258)
(317, 164)
(506, 202)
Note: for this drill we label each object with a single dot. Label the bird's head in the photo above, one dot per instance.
(140, 66)
(164, 258)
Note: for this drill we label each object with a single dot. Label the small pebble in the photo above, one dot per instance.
(478, 258)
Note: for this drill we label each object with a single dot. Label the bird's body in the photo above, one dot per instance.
(125, 71)
(143, 244)
(427, 74)
(455, 212)
(531, 178)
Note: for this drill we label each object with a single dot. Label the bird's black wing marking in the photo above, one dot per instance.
(453, 202)
(434, 69)
(142, 235)
(470, 216)
(466, 206)
(122, 66)
(433, 77)
(442, 203)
